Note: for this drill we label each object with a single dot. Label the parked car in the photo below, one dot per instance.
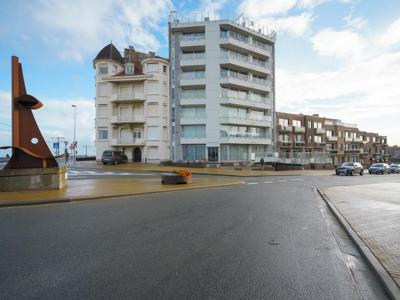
(379, 168)
(114, 157)
(394, 169)
(350, 168)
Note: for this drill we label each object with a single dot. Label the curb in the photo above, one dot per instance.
(67, 200)
(390, 286)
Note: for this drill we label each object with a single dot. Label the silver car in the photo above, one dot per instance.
(350, 168)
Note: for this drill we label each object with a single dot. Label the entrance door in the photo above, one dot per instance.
(137, 155)
(213, 154)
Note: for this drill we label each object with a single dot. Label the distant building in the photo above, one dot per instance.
(315, 134)
(132, 104)
(222, 91)
(394, 152)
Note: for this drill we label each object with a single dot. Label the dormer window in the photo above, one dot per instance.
(129, 69)
(103, 69)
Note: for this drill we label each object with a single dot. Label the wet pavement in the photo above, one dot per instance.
(373, 211)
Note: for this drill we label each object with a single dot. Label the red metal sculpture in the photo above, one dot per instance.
(29, 147)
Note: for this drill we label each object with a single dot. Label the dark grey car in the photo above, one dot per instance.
(379, 168)
(350, 168)
(113, 157)
(394, 169)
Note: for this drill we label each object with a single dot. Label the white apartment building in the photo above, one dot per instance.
(132, 104)
(222, 91)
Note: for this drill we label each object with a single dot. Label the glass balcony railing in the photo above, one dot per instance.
(193, 56)
(193, 36)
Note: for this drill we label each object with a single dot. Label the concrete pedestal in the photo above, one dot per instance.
(33, 179)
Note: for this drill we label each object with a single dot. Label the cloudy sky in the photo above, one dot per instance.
(338, 58)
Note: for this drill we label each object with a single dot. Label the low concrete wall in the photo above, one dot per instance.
(33, 179)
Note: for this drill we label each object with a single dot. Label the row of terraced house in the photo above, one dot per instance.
(212, 100)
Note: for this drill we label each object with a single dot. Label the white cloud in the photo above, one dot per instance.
(362, 89)
(392, 34)
(55, 119)
(343, 44)
(256, 9)
(212, 8)
(354, 23)
(83, 27)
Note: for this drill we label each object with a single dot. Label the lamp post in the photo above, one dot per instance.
(74, 142)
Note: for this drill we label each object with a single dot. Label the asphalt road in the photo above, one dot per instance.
(272, 238)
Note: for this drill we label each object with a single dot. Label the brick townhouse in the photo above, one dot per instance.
(315, 134)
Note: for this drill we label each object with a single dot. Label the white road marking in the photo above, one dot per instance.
(94, 173)
(282, 180)
(252, 183)
(297, 179)
(268, 181)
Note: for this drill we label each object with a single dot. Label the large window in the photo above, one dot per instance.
(152, 68)
(194, 112)
(317, 125)
(193, 131)
(194, 152)
(296, 123)
(193, 93)
(283, 122)
(242, 132)
(103, 133)
(153, 133)
(196, 74)
(234, 152)
(103, 69)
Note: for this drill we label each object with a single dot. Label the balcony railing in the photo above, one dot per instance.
(127, 119)
(193, 36)
(127, 97)
(348, 139)
(127, 141)
(332, 138)
(193, 56)
(283, 128)
(300, 129)
(320, 130)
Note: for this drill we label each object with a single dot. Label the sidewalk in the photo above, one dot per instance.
(224, 171)
(373, 213)
(104, 188)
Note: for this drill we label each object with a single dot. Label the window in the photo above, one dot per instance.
(152, 68)
(296, 123)
(103, 133)
(196, 74)
(153, 133)
(164, 68)
(114, 68)
(284, 138)
(193, 93)
(328, 133)
(153, 110)
(194, 112)
(317, 125)
(283, 122)
(130, 69)
(102, 111)
(102, 89)
(153, 87)
(193, 131)
(137, 135)
(194, 152)
(103, 69)
(317, 139)
(298, 138)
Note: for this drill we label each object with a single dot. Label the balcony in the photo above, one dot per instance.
(127, 142)
(285, 128)
(353, 151)
(246, 121)
(285, 144)
(299, 143)
(358, 139)
(319, 130)
(243, 80)
(236, 40)
(332, 138)
(192, 40)
(193, 59)
(348, 139)
(299, 129)
(246, 140)
(319, 144)
(245, 102)
(193, 101)
(134, 119)
(193, 140)
(127, 98)
(192, 121)
(244, 63)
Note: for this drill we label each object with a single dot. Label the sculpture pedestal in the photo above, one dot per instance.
(33, 179)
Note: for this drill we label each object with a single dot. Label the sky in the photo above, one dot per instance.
(337, 58)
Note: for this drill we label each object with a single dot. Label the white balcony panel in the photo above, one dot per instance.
(245, 102)
(246, 140)
(193, 82)
(188, 101)
(245, 122)
(193, 140)
(126, 119)
(247, 84)
(127, 142)
(125, 98)
(187, 121)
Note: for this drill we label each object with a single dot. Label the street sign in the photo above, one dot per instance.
(56, 145)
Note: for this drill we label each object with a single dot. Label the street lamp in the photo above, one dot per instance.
(74, 142)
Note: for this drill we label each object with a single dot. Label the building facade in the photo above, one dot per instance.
(132, 104)
(222, 91)
(298, 133)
